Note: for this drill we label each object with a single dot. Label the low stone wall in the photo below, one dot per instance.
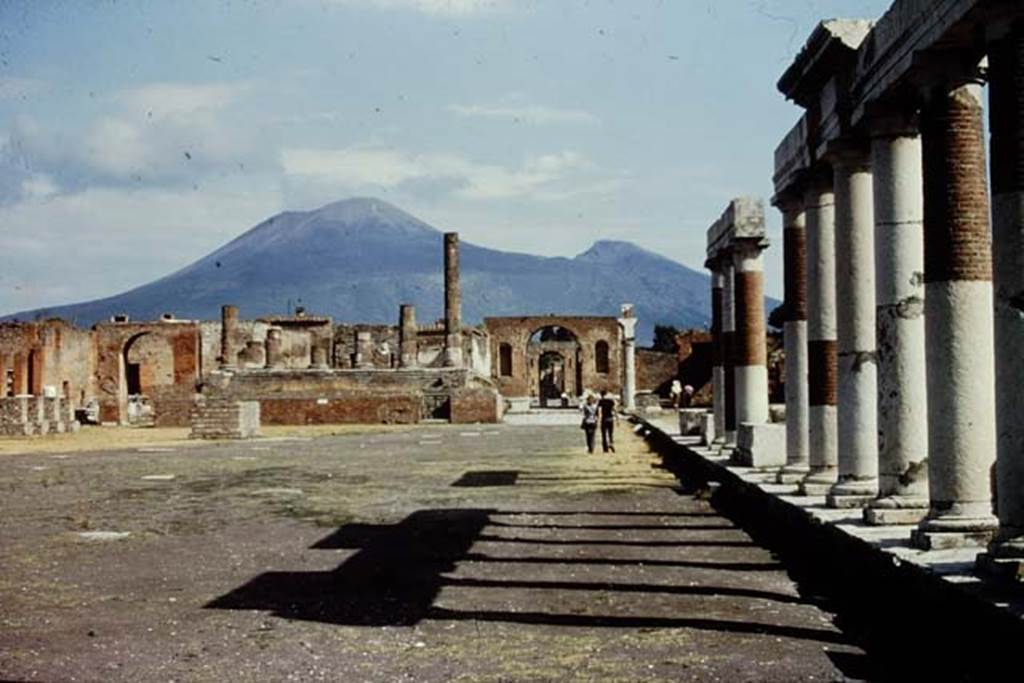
(219, 419)
(35, 415)
(342, 408)
(470, 405)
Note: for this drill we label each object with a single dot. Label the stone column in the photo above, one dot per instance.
(899, 319)
(408, 345)
(717, 352)
(318, 354)
(750, 357)
(958, 322)
(275, 348)
(794, 236)
(819, 203)
(628, 323)
(857, 423)
(729, 347)
(228, 337)
(452, 302)
(1006, 122)
(364, 350)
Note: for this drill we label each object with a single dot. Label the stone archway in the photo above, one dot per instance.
(554, 356)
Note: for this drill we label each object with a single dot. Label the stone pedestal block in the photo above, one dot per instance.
(761, 445)
(690, 420)
(225, 419)
(708, 421)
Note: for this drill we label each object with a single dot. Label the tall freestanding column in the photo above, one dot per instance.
(857, 426)
(228, 337)
(717, 351)
(452, 302)
(819, 203)
(750, 356)
(628, 322)
(729, 347)
(899, 318)
(408, 344)
(1006, 121)
(794, 236)
(958, 321)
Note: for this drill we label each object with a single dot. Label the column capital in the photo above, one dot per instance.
(895, 124)
(853, 154)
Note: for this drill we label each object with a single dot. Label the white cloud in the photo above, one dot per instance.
(436, 7)
(39, 186)
(12, 88)
(164, 100)
(531, 114)
(545, 177)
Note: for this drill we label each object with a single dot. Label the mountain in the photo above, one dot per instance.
(357, 260)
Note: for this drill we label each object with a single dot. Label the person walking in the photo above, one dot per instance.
(589, 424)
(609, 416)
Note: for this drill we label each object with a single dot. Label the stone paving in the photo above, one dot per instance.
(495, 553)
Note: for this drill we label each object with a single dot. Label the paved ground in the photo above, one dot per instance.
(499, 553)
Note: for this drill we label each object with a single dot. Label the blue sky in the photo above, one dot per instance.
(135, 137)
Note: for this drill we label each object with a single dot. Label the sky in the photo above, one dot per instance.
(137, 136)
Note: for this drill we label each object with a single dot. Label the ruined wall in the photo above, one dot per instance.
(588, 330)
(356, 396)
(655, 371)
(384, 346)
(34, 356)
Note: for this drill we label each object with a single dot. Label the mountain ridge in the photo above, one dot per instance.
(358, 259)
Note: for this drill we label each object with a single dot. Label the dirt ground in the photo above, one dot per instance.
(437, 553)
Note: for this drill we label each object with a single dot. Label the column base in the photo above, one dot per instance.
(852, 493)
(950, 532)
(818, 483)
(792, 474)
(1004, 561)
(896, 510)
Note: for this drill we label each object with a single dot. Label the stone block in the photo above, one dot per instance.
(876, 516)
(707, 429)
(690, 420)
(760, 445)
(950, 540)
(518, 404)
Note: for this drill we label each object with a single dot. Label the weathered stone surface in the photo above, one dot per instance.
(760, 445)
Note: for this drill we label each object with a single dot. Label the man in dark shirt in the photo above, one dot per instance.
(606, 407)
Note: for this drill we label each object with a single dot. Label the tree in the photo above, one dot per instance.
(665, 339)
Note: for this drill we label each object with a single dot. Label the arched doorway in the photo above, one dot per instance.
(554, 359)
(147, 365)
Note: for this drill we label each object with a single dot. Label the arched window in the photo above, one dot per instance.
(601, 357)
(505, 360)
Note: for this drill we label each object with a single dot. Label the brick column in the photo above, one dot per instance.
(452, 302)
(717, 351)
(750, 356)
(794, 236)
(819, 203)
(899, 317)
(408, 345)
(857, 387)
(1006, 118)
(729, 348)
(958, 322)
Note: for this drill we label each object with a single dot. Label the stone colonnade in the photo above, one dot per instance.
(735, 243)
(903, 395)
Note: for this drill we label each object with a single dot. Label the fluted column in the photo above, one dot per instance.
(819, 203)
(717, 351)
(794, 236)
(750, 356)
(958, 322)
(899, 318)
(857, 429)
(1006, 119)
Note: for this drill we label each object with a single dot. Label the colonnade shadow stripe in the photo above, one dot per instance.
(398, 572)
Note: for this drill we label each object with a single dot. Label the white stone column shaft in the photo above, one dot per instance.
(798, 449)
(819, 204)
(717, 368)
(750, 355)
(857, 426)
(729, 349)
(899, 293)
